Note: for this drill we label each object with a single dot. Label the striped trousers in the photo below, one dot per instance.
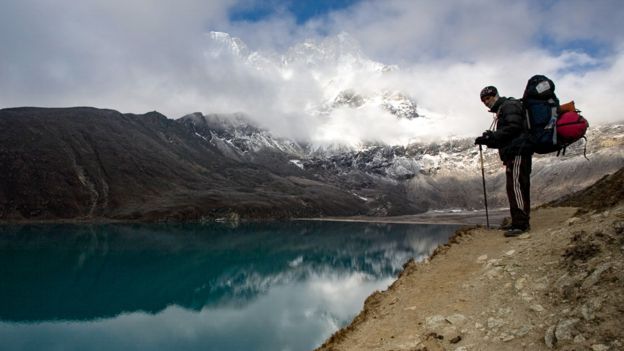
(518, 172)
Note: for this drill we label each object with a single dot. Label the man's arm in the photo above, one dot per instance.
(512, 126)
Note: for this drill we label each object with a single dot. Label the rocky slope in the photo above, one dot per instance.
(85, 163)
(559, 287)
(443, 175)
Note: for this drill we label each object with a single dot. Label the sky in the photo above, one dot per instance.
(143, 55)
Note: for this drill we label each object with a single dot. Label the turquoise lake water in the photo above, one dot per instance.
(270, 286)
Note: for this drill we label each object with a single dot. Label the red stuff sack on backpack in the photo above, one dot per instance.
(571, 127)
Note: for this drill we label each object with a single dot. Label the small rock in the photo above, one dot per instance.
(436, 321)
(520, 283)
(494, 273)
(494, 323)
(579, 339)
(573, 221)
(482, 259)
(595, 276)
(413, 345)
(456, 339)
(506, 337)
(588, 310)
(457, 319)
(565, 330)
(549, 337)
(504, 311)
(494, 262)
(618, 226)
(566, 281)
(600, 347)
(522, 331)
(537, 308)
(435, 336)
(526, 297)
(525, 236)
(510, 252)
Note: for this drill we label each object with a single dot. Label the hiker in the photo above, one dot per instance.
(509, 137)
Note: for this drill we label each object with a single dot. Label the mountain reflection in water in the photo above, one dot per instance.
(268, 286)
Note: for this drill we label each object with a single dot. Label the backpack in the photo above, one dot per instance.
(550, 128)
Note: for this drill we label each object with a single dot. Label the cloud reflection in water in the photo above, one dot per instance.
(273, 286)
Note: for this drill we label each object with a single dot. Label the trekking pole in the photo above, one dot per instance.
(487, 216)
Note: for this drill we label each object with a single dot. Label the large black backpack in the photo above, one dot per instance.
(541, 106)
(550, 128)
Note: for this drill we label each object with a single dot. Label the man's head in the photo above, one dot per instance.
(489, 95)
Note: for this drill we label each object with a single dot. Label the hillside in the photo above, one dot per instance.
(559, 287)
(91, 164)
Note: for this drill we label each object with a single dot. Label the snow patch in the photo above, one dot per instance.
(297, 163)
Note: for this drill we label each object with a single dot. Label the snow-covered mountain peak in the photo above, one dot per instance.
(328, 81)
(225, 43)
(340, 50)
(394, 102)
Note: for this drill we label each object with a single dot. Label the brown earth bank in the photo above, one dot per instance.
(559, 286)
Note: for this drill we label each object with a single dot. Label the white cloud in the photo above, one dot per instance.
(141, 56)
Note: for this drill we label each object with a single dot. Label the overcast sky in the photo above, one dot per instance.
(143, 55)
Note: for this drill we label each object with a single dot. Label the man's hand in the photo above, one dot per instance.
(485, 138)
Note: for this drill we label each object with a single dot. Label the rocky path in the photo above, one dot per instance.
(561, 286)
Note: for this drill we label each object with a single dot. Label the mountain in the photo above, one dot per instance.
(432, 176)
(337, 64)
(87, 163)
(72, 163)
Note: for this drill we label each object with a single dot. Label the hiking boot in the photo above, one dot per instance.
(506, 224)
(515, 231)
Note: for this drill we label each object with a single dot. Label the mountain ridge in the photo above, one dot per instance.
(93, 164)
(88, 163)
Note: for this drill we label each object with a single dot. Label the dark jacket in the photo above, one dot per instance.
(510, 136)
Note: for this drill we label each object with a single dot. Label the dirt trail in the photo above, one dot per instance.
(561, 286)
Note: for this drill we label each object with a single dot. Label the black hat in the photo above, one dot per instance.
(488, 91)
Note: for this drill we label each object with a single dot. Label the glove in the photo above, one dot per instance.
(481, 140)
(485, 138)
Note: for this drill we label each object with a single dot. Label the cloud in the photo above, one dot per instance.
(99, 52)
(145, 55)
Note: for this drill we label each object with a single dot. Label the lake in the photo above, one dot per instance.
(256, 286)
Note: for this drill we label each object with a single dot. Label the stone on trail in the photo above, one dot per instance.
(595, 276)
(566, 330)
(572, 221)
(436, 321)
(549, 337)
(519, 285)
(494, 323)
(457, 319)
